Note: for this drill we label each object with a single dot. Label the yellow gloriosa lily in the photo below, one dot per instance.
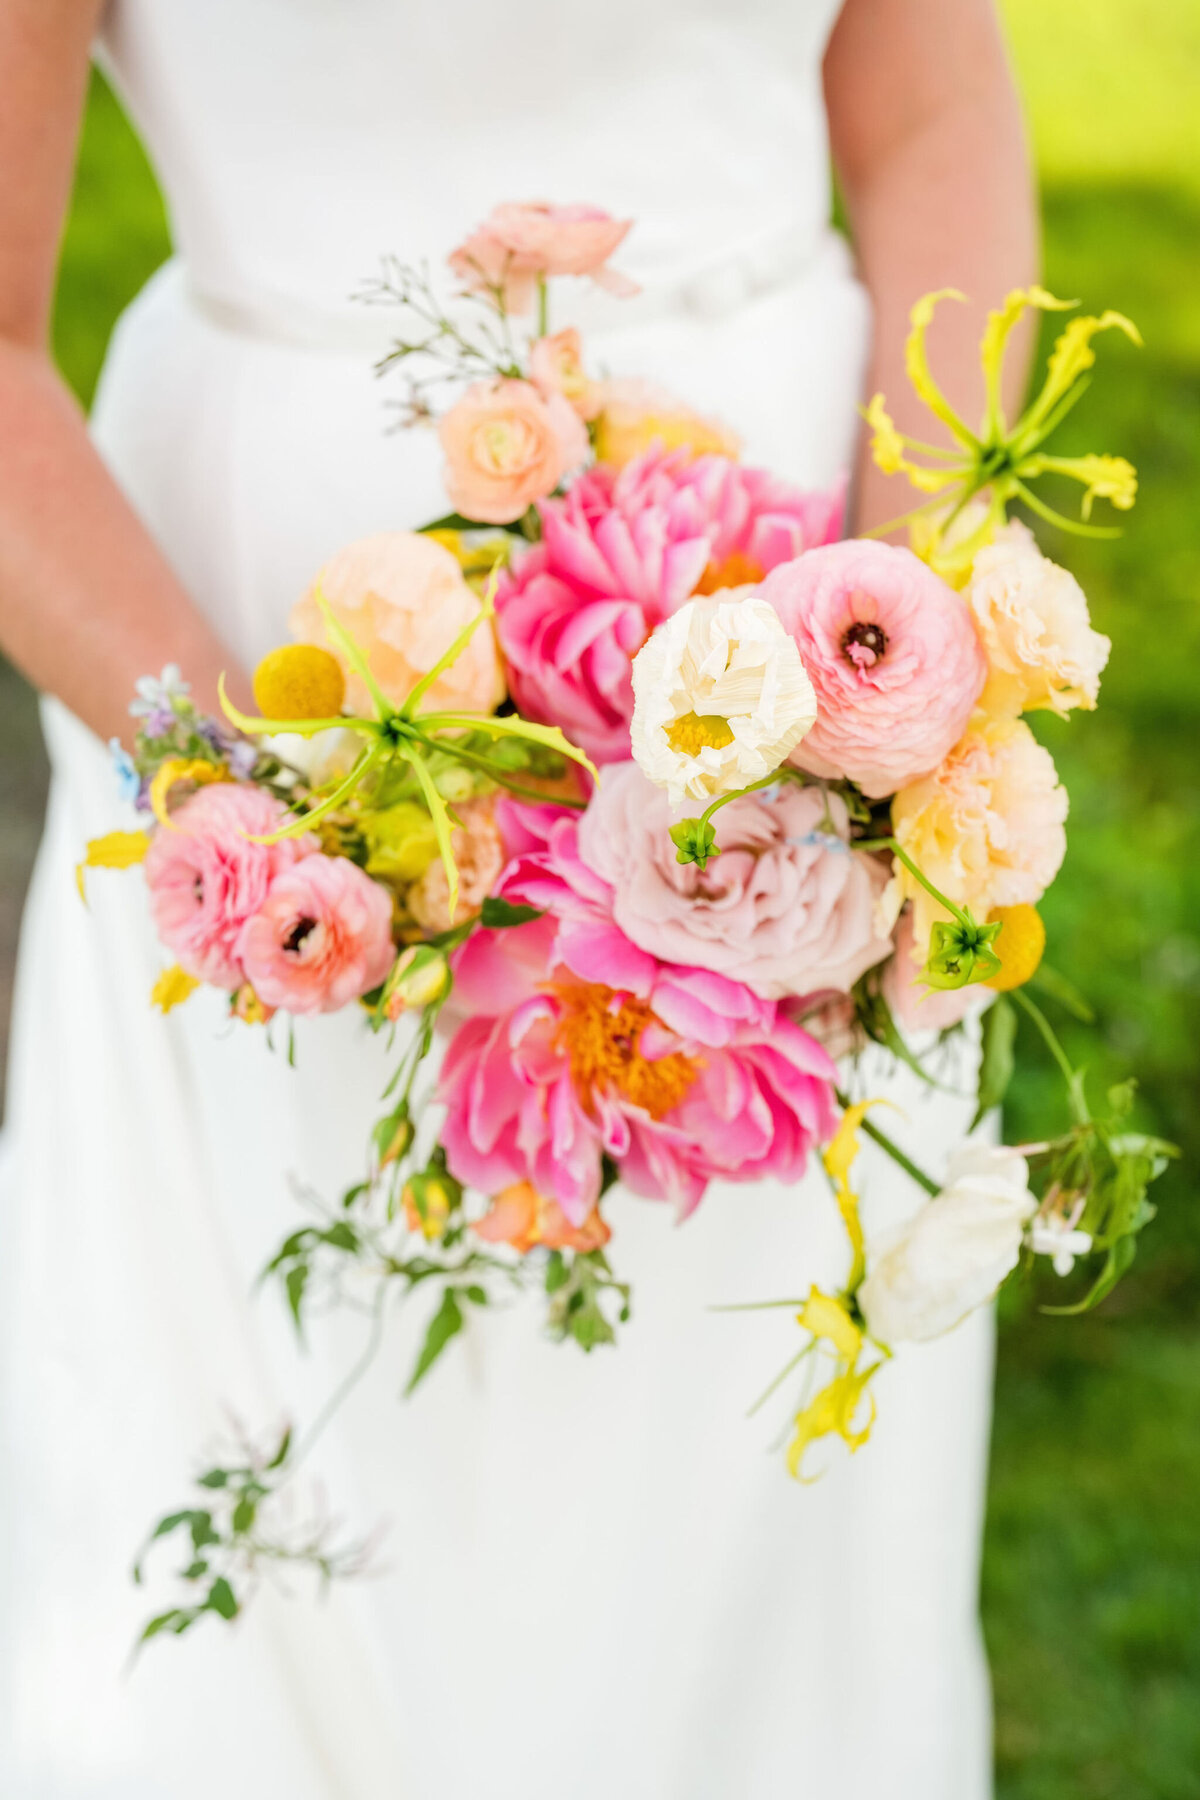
(833, 1412)
(838, 1158)
(172, 988)
(176, 769)
(999, 460)
(116, 850)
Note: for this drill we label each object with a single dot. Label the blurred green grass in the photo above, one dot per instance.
(1092, 1562)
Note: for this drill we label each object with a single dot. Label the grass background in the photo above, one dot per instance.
(1092, 1561)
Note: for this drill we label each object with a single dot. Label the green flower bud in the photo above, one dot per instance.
(695, 841)
(960, 952)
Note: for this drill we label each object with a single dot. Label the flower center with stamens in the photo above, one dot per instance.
(294, 940)
(734, 570)
(693, 732)
(864, 644)
(600, 1031)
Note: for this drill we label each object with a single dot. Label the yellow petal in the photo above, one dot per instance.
(887, 449)
(177, 769)
(1071, 357)
(995, 337)
(826, 1317)
(173, 987)
(917, 363)
(118, 850)
(832, 1413)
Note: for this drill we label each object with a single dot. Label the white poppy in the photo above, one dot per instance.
(952, 1255)
(720, 697)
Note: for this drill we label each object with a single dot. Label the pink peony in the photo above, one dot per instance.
(893, 655)
(679, 1075)
(519, 244)
(506, 447)
(787, 907)
(322, 936)
(620, 553)
(206, 878)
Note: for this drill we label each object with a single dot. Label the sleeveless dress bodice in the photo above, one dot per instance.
(597, 1577)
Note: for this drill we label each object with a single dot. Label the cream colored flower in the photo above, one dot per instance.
(720, 697)
(986, 828)
(1033, 620)
(325, 757)
(952, 1255)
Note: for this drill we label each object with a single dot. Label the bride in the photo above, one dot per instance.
(596, 1580)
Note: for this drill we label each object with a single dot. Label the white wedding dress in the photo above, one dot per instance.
(597, 1578)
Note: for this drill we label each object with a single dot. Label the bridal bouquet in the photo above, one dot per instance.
(652, 801)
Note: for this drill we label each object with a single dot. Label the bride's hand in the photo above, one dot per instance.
(87, 601)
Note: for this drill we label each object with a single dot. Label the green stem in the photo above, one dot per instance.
(892, 844)
(782, 1377)
(1050, 1037)
(740, 793)
(450, 747)
(543, 324)
(893, 1150)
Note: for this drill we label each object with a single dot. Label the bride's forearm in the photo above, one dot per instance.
(87, 601)
(930, 147)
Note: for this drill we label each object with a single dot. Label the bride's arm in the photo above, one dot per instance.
(87, 602)
(930, 150)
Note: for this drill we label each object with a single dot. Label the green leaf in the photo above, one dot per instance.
(477, 1295)
(245, 1513)
(497, 913)
(1055, 986)
(296, 1282)
(163, 1622)
(195, 1570)
(557, 1274)
(215, 1478)
(445, 1324)
(1119, 1257)
(202, 1531)
(341, 1236)
(221, 1599)
(999, 1034)
(280, 1456)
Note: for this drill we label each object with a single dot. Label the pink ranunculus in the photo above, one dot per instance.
(893, 655)
(322, 936)
(520, 243)
(787, 907)
(623, 551)
(206, 877)
(506, 447)
(580, 1045)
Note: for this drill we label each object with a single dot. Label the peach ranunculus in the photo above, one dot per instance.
(523, 1218)
(1033, 621)
(322, 936)
(521, 243)
(506, 447)
(556, 367)
(479, 854)
(986, 827)
(631, 415)
(403, 600)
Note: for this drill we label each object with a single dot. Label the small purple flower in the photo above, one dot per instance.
(242, 757)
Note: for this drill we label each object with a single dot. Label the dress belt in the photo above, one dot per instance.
(713, 292)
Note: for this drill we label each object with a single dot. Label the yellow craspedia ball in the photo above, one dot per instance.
(1019, 945)
(299, 681)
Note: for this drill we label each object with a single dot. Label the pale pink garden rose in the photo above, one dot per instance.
(787, 907)
(403, 599)
(986, 828)
(556, 367)
(479, 856)
(206, 877)
(505, 447)
(624, 550)
(914, 1006)
(893, 655)
(520, 243)
(1033, 619)
(322, 937)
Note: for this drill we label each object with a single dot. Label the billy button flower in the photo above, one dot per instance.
(1019, 948)
(299, 681)
(999, 460)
